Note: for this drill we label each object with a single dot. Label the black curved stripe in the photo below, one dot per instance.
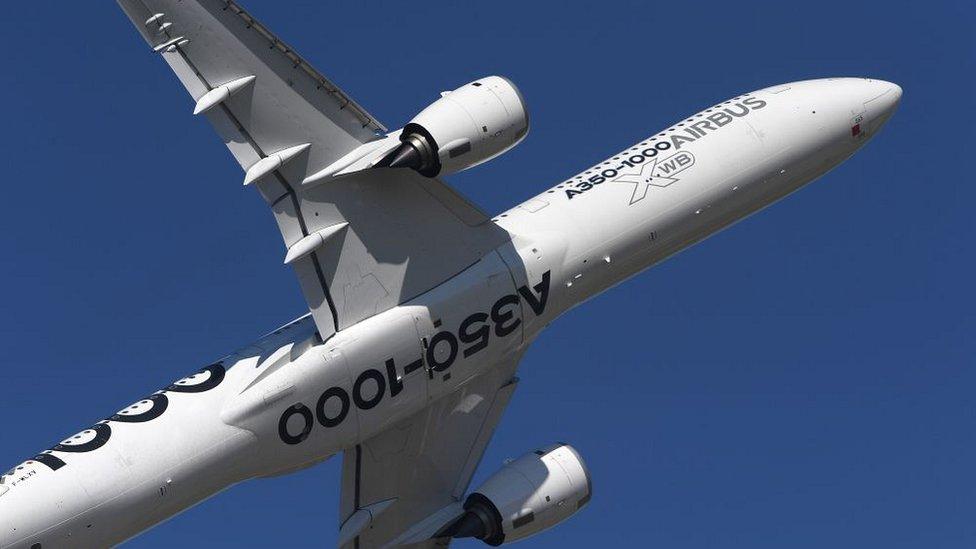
(217, 372)
(52, 461)
(102, 433)
(160, 403)
(281, 180)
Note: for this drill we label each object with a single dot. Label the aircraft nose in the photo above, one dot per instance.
(885, 96)
(895, 92)
(879, 100)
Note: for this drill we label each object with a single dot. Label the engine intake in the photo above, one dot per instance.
(462, 129)
(525, 497)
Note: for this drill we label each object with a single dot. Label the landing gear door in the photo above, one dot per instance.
(408, 366)
(467, 324)
(389, 380)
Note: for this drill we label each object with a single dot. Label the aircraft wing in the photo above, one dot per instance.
(360, 243)
(406, 484)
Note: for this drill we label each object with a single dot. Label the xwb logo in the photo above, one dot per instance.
(658, 173)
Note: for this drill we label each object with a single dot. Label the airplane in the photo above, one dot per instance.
(420, 305)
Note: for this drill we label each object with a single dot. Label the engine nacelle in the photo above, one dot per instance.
(464, 128)
(528, 495)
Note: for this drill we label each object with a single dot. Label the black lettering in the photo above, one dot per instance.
(297, 409)
(570, 193)
(452, 342)
(396, 384)
(343, 396)
(413, 366)
(500, 319)
(542, 288)
(357, 389)
(479, 337)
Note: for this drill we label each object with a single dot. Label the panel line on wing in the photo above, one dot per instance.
(356, 497)
(289, 190)
(406, 234)
(321, 81)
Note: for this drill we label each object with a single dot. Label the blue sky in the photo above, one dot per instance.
(803, 379)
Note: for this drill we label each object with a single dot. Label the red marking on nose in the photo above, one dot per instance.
(855, 130)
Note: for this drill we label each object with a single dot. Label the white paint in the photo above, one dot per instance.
(209, 439)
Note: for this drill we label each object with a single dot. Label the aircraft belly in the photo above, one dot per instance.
(141, 474)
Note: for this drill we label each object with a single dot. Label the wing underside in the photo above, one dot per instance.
(359, 243)
(406, 484)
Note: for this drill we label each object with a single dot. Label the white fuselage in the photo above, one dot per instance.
(290, 400)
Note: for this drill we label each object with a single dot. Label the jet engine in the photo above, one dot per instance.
(526, 496)
(464, 128)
